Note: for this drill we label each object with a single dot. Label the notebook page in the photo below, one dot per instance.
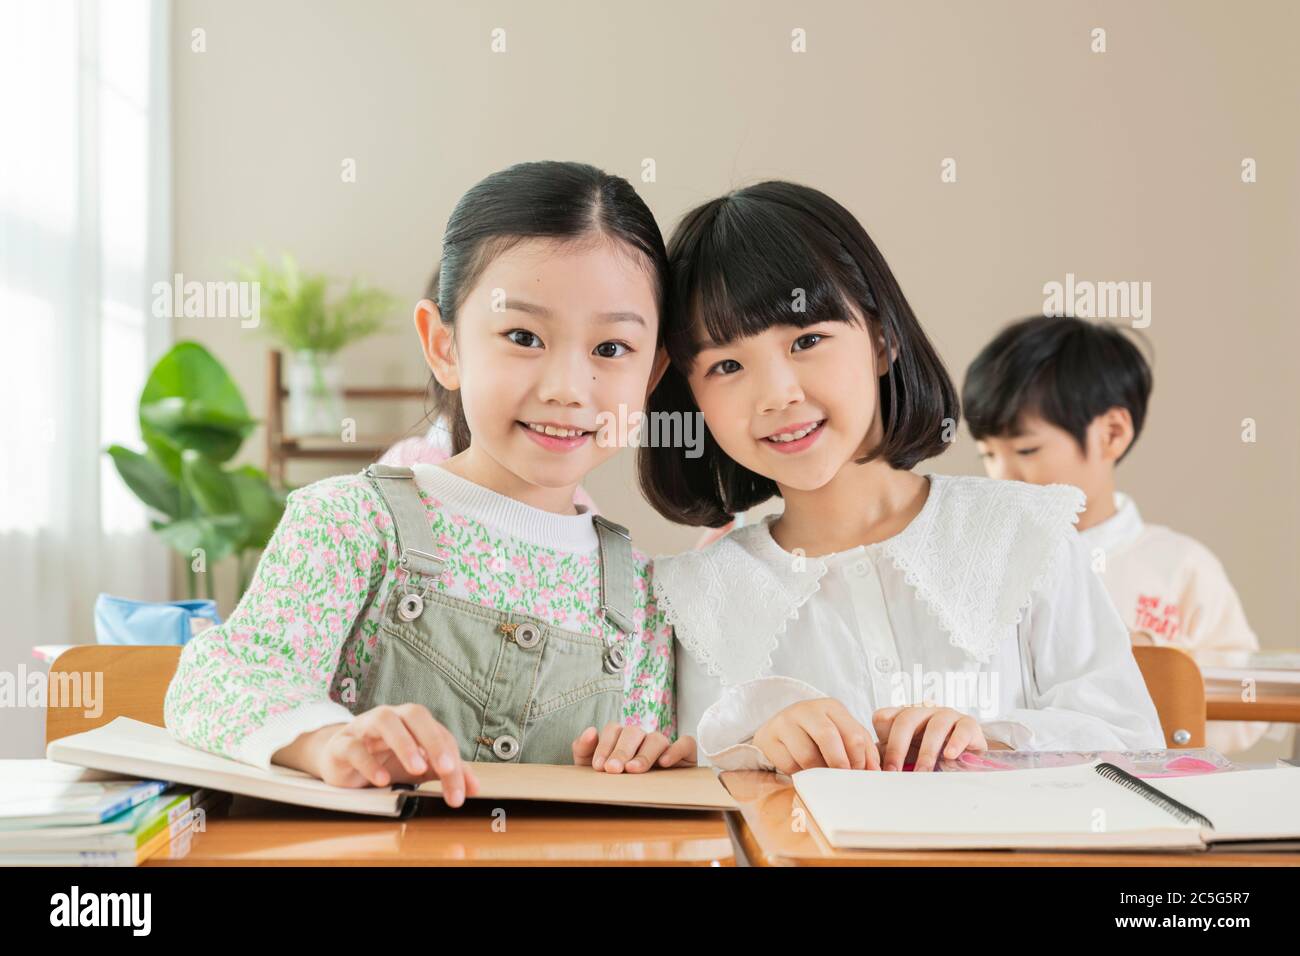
(1004, 808)
(1249, 805)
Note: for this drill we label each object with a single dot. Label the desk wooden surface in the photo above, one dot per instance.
(764, 835)
(252, 832)
(1278, 708)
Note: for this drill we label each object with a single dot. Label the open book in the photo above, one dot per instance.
(132, 747)
(1090, 806)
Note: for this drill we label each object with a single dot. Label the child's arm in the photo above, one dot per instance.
(1085, 689)
(649, 699)
(729, 723)
(252, 685)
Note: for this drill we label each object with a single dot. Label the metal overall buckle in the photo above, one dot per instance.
(411, 604)
(614, 659)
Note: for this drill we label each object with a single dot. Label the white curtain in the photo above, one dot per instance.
(84, 231)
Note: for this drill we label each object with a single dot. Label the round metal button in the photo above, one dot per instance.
(614, 660)
(884, 664)
(505, 747)
(410, 607)
(1182, 736)
(527, 635)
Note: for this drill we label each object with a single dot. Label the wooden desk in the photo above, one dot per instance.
(252, 832)
(1277, 686)
(764, 835)
(1278, 708)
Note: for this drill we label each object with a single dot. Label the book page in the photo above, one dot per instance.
(683, 788)
(134, 747)
(1005, 808)
(1251, 805)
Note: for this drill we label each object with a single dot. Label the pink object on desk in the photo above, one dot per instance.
(976, 760)
(1183, 767)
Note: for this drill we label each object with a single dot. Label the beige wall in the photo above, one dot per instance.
(1116, 166)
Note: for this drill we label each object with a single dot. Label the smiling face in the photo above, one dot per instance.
(552, 335)
(793, 404)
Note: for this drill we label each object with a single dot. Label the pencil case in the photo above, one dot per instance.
(120, 620)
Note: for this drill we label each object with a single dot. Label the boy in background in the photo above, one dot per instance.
(1061, 400)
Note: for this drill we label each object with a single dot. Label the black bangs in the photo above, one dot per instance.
(779, 253)
(1064, 370)
(745, 263)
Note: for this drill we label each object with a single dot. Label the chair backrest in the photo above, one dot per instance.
(1178, 691)
(91, 684)
(134, 682)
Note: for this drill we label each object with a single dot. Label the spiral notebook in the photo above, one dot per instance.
(1094, 806)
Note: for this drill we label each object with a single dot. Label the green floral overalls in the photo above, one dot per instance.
(509, 686)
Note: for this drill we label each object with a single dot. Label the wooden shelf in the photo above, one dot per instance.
(281, 448)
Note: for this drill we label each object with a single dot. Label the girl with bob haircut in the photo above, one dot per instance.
(885, 617)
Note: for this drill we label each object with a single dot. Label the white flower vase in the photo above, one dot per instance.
(315, 384)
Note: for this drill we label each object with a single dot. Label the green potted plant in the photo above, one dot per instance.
(193, 420)
(296, 308)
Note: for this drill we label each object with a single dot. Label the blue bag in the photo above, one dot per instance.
(122, 621)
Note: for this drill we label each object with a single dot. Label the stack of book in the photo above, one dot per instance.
(57, 814)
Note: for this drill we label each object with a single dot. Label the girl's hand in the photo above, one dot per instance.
(393, 743)
(817, 733)
(919, 734)
(618, 748)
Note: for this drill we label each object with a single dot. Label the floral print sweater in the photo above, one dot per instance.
(296, 651)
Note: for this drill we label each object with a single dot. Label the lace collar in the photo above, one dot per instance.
(974, 555)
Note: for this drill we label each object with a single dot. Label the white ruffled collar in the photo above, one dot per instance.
(757, 538)
(975, 554)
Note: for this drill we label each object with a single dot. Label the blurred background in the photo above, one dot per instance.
(989, 149)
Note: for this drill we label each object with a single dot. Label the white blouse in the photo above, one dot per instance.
(986, 602)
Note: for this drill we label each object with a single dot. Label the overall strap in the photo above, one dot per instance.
(397, 488)
(616, 569)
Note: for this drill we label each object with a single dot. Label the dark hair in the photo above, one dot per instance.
(737, 263)
(1064, 370)
(552, 200)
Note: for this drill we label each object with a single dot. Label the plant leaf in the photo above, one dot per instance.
(148, 480)
(176, 412)
(209, 485)
(294, 307)
(210, 415)
(258, 502)
(217, 536)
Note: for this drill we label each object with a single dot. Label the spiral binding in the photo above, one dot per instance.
(1181, 811)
